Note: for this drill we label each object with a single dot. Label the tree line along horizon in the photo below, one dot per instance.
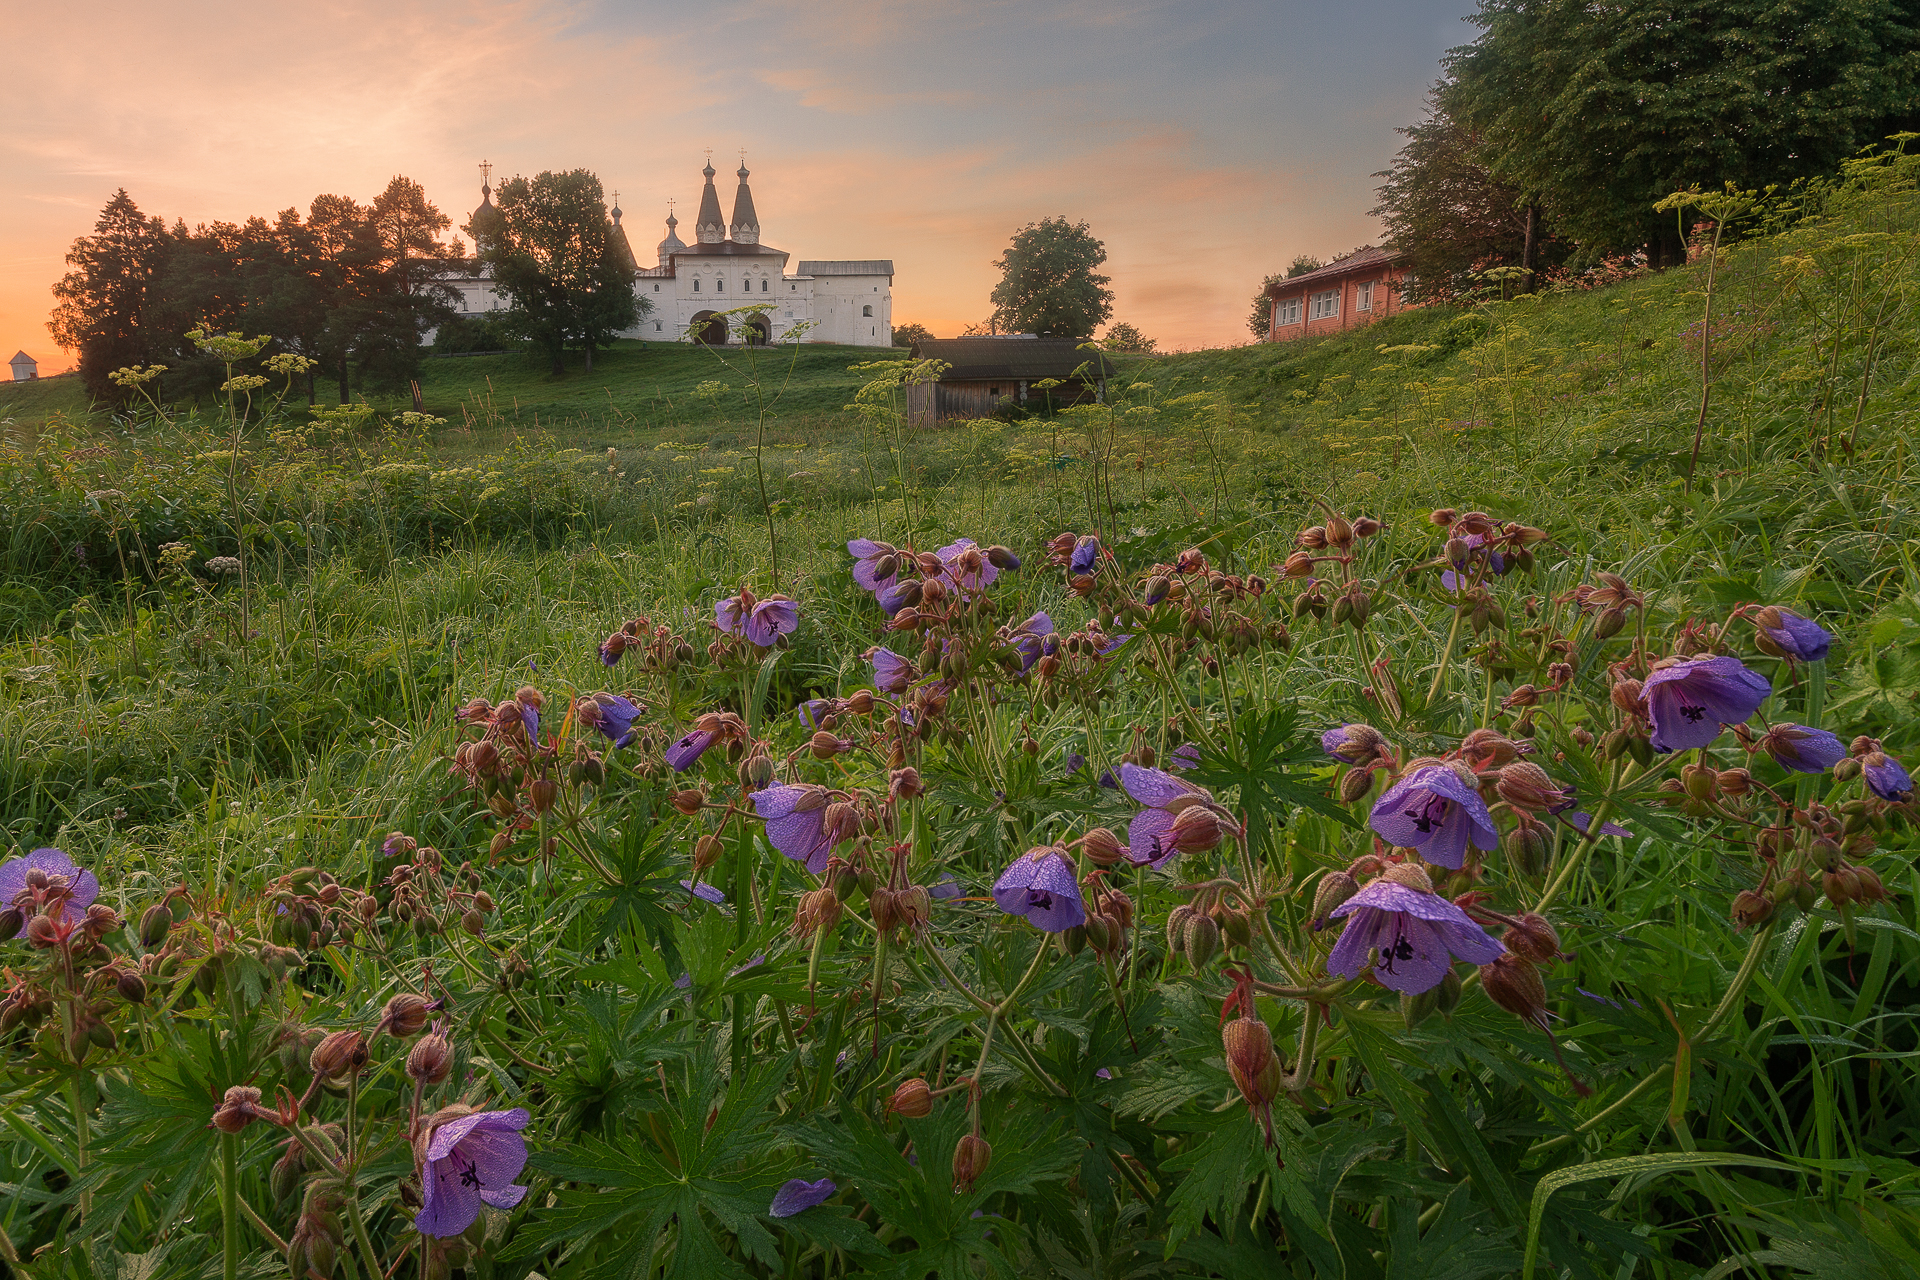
(354, 289)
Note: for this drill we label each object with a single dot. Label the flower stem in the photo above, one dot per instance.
(230, 1206)
(1446, 656)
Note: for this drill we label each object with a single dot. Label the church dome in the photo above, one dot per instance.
(487, 219)
(672, 244)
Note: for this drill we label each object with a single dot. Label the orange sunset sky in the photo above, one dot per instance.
(1206, 143)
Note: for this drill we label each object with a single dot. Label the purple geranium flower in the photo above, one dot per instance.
(813, 711)
(867, 555)
(612, 714)
(1795, 636)
(730, 615)
(1887, 777)
(1582, 821)
(1150, 835)
(1086, 555)
(1803, 750)
(946, 888)
(1040, 885)
(1108, 645)
(612, 647)
(771, 619)
(1435, 810)
(471, 1161)
(1033, 638)
(799, 1195)
(796, 818)
(686, 752)
(82, 887)
(898, 596)
(1691, 702)
(891, 672)
(1185, 756)
(1416, 934)
(704, 892)
(967, 566)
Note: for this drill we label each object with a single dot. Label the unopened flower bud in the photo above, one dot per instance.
(1700, 782)
(1751, 908)
(970, 1157)
(1197, 829)
(339, 1054)
(1365, 526)
(132, 988)
(824, 745)
(1533, 936)
(1200, 940)
(430, 1059)
(405, 1014)
(1733, 782)
(688, 801)
(1513, 982)
(240, 1108)
(913, 1099)
(706, 851)
(1334, 889)
(1002, 559)
(1249, 1046)
(1609, 622)
(1102, 847)
(1525, 785)
(541, 793)
(12, 920)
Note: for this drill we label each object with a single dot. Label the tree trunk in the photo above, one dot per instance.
(589, 355)
(311, 378)
(343, 377)
(1530, 255)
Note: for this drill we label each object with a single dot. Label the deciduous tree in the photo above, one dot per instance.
(1261, 320)
(1048, 283)
(554, 259)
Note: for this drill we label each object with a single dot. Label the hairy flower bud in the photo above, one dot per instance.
(1608, 623)
(1197, 829)
(1534, 937)
(1249, 1046)
(1751, 908)
(338, 1055)
(240, 1108)
(405, 1014)
(1334, 889)
(1525, 785)
(1513, 982)
(1200, 940)
(912, 1099)
(970, 1157)
(132, 988)
(688, 801)
(430, 1059)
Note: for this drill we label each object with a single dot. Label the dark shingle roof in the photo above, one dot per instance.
(1360, 260)
(1023, 358)
(847, 267)
(729, 249)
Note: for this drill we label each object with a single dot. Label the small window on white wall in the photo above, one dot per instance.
(763, 286)
(1363, 297)
(866, 311)
(1325, 305)
(696, 286)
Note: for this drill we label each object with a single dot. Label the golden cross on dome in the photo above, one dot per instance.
(486, 171)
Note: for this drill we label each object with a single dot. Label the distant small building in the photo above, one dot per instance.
(1355, 290)
(25, 368)
(989, 372)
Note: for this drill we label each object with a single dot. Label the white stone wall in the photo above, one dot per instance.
(857, 310)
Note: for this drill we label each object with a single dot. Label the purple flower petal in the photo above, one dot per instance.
(799, 1195)
(1417, 936)
(704, 892)
(1691, 702)
(730, 615)
(471, 1160)
(771, 619)
(1435, 810)
(1150, 838)
(685, 753)
(83, 887)
(1887, 777)
(1152, 787)
(1799, 637)
(1041, 886)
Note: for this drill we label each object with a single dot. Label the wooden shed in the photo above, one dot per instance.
(986, 373)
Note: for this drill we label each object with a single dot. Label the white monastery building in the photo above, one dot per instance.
(726, 267)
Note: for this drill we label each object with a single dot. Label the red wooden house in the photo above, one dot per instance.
(1355, 290)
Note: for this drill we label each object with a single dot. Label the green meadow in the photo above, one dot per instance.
(239, 648)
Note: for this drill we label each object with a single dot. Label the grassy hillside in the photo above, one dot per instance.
(28, 405)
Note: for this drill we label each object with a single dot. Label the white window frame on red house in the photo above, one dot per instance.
(1326, 306)
(1286, 311)
(1363, 296)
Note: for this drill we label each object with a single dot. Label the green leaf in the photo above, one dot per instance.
(1625, 1166)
